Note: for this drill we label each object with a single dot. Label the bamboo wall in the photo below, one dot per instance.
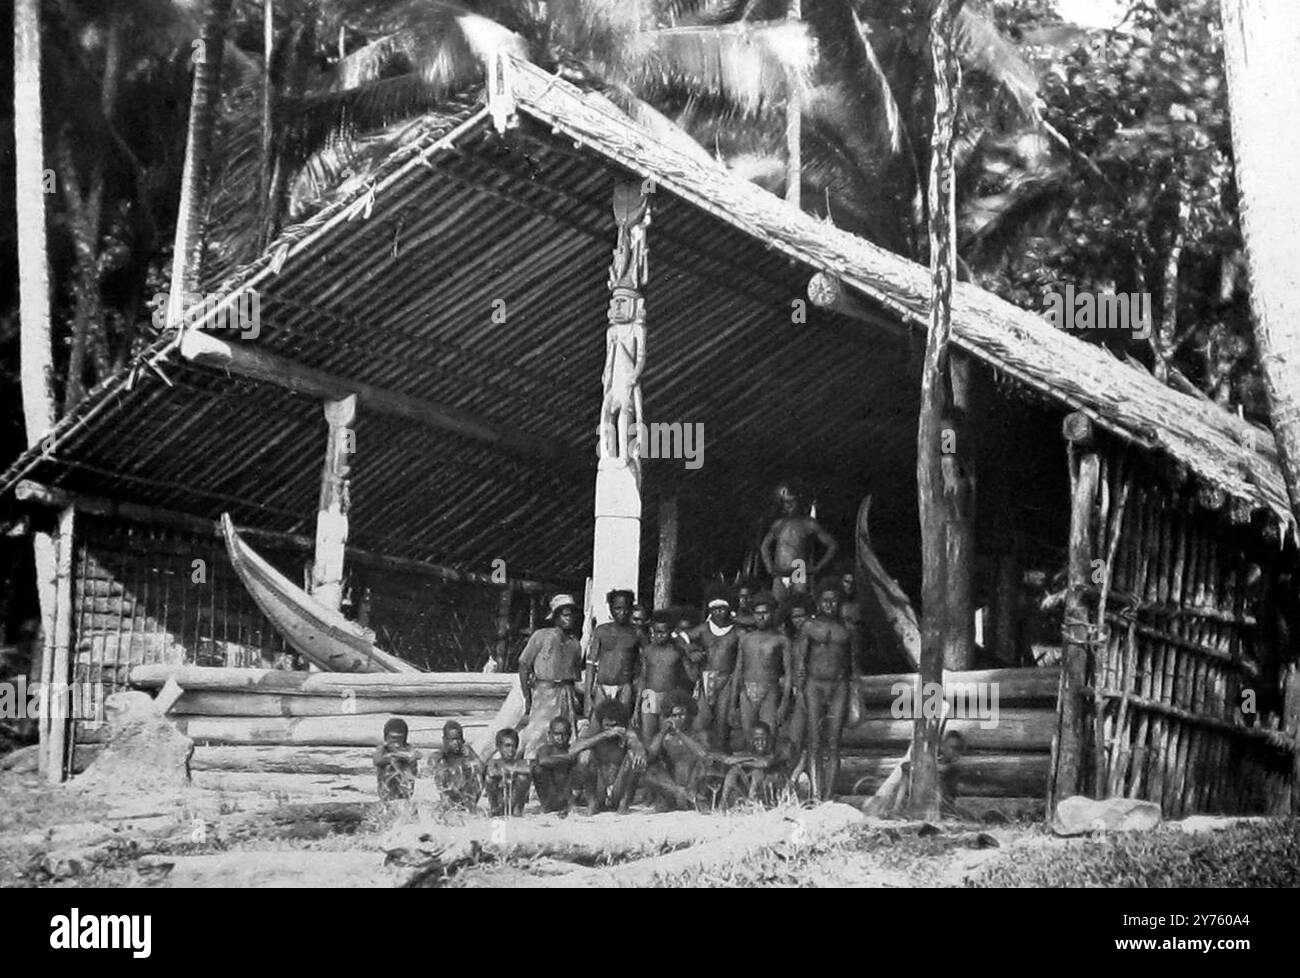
(148, 595)
(1176, 652)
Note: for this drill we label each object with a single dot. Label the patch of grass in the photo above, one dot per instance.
(1258, 855)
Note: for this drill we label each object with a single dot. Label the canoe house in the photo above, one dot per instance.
(412, 428)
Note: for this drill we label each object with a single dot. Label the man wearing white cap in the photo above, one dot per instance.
(549, 667)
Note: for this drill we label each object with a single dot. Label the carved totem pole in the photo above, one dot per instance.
(617, 549)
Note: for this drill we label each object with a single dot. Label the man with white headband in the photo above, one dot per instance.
(719, 637)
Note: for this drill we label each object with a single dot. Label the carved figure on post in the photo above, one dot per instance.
(621, 413)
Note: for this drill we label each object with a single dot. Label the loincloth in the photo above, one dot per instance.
(756, 693)
(612, 692)
(711, 684)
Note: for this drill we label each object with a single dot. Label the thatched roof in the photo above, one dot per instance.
(396, 283)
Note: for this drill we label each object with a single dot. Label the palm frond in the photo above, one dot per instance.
(893, 117)
(444, 43)
(666, 131)
(982, 47)
(752, 66)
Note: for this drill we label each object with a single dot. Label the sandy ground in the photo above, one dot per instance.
(58, 836)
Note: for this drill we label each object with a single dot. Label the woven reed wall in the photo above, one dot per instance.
(1178, 666)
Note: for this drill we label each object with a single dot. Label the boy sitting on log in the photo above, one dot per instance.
(664, 669)
(553, 769)
(395, 762)
(507, 778)
(610, 761)
(456, 769)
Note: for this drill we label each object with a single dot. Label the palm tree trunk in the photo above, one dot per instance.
(794, 125)
(266, 170)
(1261, 46)
(188, 252)
(935, 387)
(36, 350)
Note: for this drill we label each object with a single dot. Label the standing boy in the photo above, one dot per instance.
(615, 656)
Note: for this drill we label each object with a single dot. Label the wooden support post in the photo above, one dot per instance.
(1085, 472)
(502, 649)
(934, 471)
(959, 519)
(332, 515)
(46, 554)
(667, 551)
(616, 551)
(1005, 637)
(56, 700)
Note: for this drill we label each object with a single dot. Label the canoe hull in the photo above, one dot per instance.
(320, 634)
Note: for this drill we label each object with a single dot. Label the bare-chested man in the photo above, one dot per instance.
(615, 656)
(744, 613)
(611, 760)
(786, 551)
(676, 757)
(719, 639)
(829, 651)
(641, 621)
(765, 669)
(664, 669)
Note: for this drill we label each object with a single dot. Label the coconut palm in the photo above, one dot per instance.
(209, 54)
(1261, 48)
(36, 349)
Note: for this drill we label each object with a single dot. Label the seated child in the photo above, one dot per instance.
(678, 759)
(610, 761)
(951, 748)
(762, 774)
(507, 777)
(395, 762)
(456, 769)
(553, 768)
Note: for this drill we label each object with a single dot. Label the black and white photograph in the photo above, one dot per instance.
(650, 444)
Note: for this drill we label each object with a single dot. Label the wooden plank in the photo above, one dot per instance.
(348, 761)
(1014, 686)
(230, 679)
(1019, 731)
(229, 704)
(341, 731)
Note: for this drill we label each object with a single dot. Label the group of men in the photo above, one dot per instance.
(687, 714)
(688, 695)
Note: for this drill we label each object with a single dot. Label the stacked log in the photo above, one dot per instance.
(311, 735)
(1007, 757)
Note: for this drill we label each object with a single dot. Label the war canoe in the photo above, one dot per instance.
(320, 634)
